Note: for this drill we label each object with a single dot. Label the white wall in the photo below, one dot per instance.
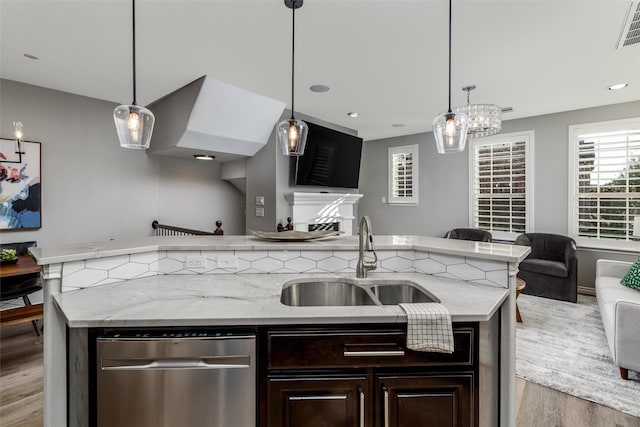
(444, 182)
(192, 195)
(94, 190)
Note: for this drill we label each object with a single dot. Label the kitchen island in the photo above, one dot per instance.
(236, 280)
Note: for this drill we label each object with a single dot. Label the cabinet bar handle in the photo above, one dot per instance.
(361, 408)
(381, 353)
(386, 408)
(206, 362)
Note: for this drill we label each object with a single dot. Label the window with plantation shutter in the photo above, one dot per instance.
(501, 180)
(403, 175)
(605, 183)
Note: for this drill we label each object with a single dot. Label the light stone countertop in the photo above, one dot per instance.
(252, 299)
(84, 251)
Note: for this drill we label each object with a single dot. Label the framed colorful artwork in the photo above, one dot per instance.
(20, 185)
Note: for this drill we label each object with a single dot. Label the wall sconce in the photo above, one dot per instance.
(18, 132)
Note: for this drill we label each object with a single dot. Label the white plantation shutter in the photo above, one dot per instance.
(403, 175)
(499, 185)
(606, 187)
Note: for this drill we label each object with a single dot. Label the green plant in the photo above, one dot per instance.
(8, 254)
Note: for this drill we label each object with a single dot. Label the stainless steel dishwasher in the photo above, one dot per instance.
(187, 379)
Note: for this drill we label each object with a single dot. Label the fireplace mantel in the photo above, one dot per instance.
(323, 208)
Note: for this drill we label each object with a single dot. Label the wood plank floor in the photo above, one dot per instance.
(20, 376)
(538, 406)
(21, 392)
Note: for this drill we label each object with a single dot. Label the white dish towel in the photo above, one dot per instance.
(428, 327)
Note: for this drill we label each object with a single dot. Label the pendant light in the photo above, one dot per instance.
(134, 123)
(292, 133)
(450, 129)
(484, 119)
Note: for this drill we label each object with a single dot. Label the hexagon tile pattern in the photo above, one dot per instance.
(83, 274)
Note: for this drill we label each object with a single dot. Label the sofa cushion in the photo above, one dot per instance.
(632, 278)
(620, 310)
(543, 266)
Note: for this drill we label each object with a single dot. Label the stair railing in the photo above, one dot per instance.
(171, 230)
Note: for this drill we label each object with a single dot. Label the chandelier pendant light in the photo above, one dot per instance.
(450, 129)
(134, 123)
(484, 119)
(292, 133)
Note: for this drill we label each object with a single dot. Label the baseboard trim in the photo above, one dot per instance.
(585, 290)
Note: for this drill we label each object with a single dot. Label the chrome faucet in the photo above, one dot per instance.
(365, 243)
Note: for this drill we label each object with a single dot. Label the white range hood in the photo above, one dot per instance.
(208, 116)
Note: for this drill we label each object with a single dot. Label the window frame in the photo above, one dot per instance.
(403, 201)
(573, 198)
(529, 139)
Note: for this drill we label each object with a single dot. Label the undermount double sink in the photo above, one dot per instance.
(313, 292)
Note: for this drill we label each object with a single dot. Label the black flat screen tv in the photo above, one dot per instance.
(330, 159)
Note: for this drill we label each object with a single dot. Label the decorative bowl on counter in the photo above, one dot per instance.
(294, 236)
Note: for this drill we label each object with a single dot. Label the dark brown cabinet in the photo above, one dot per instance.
(317, 401)
(366, 377)
(427, 400)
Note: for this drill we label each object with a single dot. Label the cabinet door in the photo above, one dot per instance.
(317, 401)
(430, 400)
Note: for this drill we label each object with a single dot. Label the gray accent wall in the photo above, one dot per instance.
(93, 190)
(262, 170)
(444, 182)
(443, 193)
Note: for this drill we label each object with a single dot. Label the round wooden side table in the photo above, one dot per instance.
(520, 285)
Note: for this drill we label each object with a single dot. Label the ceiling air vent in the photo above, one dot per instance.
(630, 33)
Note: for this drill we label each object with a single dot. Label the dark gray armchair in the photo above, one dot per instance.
(551, 269)
(468, 234)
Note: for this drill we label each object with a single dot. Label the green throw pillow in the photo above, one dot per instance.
(632, 278)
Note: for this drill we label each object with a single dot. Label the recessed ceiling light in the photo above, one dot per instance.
(203, 157)
(353, 114)
(398, 125)
(319, 88)
(26, 55)
(618, 86)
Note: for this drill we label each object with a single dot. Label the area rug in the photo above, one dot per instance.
(562, 346)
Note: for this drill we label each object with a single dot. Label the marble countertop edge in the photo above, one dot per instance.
(85, 251)
(252, 300)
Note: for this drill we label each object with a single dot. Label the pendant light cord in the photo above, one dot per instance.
(293, 55)
(450, 1)
(133, 14)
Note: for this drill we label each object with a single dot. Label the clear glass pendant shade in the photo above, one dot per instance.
(134, 125)
(484, 119)
(292, 136)
(450, 131)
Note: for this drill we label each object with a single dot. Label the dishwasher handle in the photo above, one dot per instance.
(205, 362)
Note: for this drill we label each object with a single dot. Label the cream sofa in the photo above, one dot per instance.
(620, 311)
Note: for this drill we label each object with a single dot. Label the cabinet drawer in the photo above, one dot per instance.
(339, 348)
